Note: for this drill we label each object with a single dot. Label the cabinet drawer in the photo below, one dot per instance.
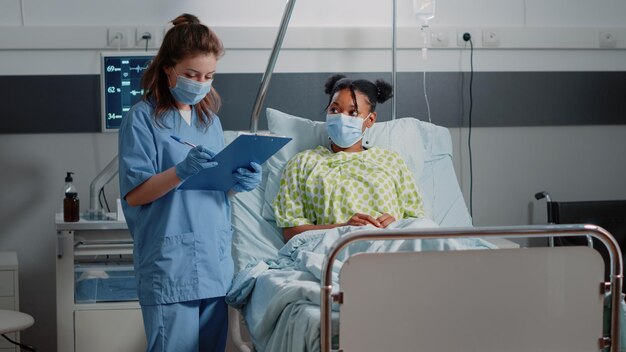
(94, 328)
(7, 303)
(7, 283)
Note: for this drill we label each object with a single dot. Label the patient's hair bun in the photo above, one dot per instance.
(330, 83)
(384, 91)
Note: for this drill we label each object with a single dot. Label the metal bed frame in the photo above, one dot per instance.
(616, 275)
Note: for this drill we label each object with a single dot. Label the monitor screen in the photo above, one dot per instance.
(120, 81)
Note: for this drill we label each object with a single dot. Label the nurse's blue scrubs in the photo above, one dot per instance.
(182, 240)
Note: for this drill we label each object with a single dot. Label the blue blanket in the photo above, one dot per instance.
(274, 294)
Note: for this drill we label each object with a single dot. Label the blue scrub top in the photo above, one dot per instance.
(182, 241)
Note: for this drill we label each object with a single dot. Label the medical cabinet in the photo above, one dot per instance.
(97, 307)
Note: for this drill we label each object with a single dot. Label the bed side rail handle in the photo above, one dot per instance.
(605, 288)
(604, 342)
(337, 297)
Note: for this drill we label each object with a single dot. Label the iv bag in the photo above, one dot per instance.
(424, 9)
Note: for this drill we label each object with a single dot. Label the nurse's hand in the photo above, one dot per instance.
(247, 180)
(197, 159)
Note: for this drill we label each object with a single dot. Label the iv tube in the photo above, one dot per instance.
(426, 37)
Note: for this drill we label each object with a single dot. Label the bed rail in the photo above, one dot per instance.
(615, 257)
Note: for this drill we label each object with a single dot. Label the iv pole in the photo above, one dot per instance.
(265, 80)
(394, 45)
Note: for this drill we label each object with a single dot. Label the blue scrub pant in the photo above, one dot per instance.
(191, 326)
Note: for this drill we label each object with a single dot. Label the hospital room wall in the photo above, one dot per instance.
(509, 163)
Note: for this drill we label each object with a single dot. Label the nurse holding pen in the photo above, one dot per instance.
(182, 238)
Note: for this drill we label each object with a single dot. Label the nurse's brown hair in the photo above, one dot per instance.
(187, 38)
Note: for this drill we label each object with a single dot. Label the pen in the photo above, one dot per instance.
(183, 142)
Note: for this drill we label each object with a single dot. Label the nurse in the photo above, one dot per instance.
(182, 238)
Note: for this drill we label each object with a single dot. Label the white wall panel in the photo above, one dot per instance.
(10, 14)
(561, 13)
(226, 13)
(483, 13)
(510, 165)
(90, 12)
(576, 13)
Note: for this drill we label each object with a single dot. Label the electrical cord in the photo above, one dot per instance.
(468, 38)
(103, 195)
(146, 36)
(426, 98)
(21, 345)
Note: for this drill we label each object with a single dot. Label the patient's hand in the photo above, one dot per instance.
(359, 219)
(385, 220)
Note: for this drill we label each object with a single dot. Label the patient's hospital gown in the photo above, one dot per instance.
(320, 187)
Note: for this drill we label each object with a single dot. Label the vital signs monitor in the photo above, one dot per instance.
(120, 84)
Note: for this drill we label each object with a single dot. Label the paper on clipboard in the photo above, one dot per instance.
(239, 153)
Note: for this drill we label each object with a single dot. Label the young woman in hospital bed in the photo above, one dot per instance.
(343, 183)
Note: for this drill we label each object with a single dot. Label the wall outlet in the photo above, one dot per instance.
(607, 39)
(439, 39)
(118, 37)
(491, 38)
(459, 37)
(154, 34)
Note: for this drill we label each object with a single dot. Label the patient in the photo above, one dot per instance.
(343, 183)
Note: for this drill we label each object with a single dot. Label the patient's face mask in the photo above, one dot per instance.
(189, 91)
(344, 130)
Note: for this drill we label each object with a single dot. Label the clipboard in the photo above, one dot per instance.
(239, 153)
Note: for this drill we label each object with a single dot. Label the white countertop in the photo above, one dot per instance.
(83, 224)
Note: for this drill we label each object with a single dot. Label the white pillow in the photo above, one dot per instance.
(402, 136)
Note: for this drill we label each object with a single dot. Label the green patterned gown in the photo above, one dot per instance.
(321, 187)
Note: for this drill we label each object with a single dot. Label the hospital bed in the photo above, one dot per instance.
(563, 283)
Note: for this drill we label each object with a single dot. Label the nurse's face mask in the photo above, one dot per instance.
(189, 91)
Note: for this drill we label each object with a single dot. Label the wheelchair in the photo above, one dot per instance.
(608, 214)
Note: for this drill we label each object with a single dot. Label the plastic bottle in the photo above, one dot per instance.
(71, 204)
(424, 10)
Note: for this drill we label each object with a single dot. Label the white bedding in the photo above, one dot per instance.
(426, 148)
